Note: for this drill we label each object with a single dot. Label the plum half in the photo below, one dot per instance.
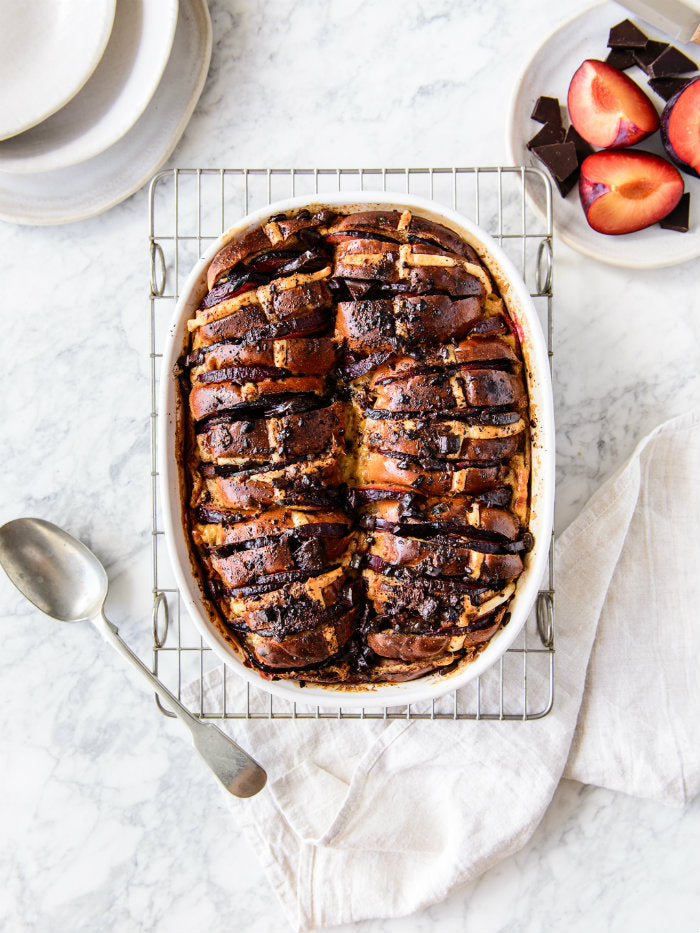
(607, 108)
(625, 190)
(680, 128)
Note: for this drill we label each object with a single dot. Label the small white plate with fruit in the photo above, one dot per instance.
(634, 178)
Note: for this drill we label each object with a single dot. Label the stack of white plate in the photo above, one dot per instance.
(95, 96)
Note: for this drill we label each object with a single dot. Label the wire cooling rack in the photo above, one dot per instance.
(188, 210)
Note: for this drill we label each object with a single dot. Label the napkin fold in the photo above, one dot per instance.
(369, 819)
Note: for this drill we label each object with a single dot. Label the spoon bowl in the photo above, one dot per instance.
(54, 570)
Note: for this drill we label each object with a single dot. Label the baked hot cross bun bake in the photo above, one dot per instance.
(357, 447)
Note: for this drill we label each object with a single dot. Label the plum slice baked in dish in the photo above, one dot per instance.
(356, 447)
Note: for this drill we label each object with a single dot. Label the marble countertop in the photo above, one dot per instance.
(108, 821)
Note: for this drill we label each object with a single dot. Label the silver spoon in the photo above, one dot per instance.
(63, 578)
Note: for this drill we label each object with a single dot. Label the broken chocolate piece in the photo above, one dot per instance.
(671, 62)
(583, 148)
(549, 134)
(626, 35)
(622, 59)
(546, 110)
(357, 289)
(667, 87)
(569, 183)
(647, 56)
(679, 217)
(563, 160)
(559, 158)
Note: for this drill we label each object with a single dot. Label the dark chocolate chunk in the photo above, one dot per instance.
(559, 158)
(626, 36)
(358, 289)
(647, 56)
(671, 62)
(667, 87)
(622, 59)
(309, 555)
(583, 148)
(568, 183)
(546, 110)
(679, 217)
(549, 134)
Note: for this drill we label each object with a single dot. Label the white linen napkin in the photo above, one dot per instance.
(368, 819)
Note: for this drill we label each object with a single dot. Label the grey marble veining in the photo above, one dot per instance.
(107, 819)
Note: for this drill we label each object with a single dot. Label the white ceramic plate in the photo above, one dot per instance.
(521, 308)
(549, 73)
(48, 50)
(94, 186)
(113, 99)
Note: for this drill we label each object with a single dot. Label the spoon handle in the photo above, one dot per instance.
(240, 774)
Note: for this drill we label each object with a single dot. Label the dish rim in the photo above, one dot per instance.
(535, 353)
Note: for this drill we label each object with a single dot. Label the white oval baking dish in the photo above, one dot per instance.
(522, 310)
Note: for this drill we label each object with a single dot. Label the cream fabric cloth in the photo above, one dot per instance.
(363, 820)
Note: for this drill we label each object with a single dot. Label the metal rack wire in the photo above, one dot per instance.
(188, 210)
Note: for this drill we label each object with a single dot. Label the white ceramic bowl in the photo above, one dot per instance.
(79, 191)
(48, 50)
(521, 309)
(117, 93)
